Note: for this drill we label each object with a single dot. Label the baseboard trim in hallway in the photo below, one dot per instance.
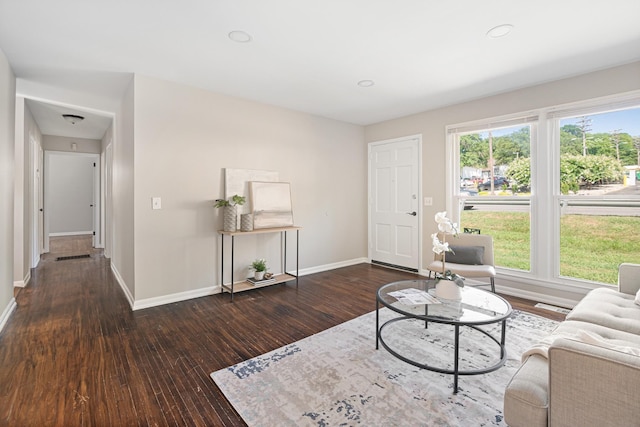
(6, 314)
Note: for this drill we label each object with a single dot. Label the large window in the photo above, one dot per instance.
(598, 193)
(495, 189)
(559, 190)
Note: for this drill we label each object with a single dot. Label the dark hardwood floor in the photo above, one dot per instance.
(74, 354)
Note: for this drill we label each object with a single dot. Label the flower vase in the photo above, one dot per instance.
(258, 275)
(447, 289)
(230, 218)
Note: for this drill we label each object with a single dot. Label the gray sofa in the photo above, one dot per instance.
(587, 372)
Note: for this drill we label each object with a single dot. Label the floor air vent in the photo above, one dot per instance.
(64, 258)
(553, 308)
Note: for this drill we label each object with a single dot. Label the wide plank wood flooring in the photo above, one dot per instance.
(74, 354)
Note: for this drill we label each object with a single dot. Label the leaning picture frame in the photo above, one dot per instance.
(271, 204)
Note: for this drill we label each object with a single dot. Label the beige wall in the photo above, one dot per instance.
(7, 143)
(122, 255)
(185, 137)
(431, 124)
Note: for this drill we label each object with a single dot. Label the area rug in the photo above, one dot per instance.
(338, 378)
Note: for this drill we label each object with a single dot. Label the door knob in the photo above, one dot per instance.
(412, 213)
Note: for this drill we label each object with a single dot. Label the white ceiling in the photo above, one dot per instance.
(309, 55)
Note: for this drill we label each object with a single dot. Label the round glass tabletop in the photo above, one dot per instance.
(476, 307)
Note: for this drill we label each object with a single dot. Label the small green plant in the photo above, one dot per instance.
(235, 200)
(259, 265)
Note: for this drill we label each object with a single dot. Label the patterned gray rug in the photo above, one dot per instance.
(338, 378)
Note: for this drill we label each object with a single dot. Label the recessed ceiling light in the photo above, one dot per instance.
(499, 31)
(366, 83)
(240, 36)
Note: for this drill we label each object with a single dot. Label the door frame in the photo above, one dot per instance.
(96, 193)
(36, 184)
(370, 145)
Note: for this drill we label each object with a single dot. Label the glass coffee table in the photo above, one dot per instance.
(476, 308)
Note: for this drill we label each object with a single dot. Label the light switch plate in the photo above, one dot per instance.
(156, 203)
(428, 201)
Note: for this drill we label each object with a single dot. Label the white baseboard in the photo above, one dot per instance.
(70, 233)
(326, 267)
(24, 282)
(536, 296)
(123, 286)
(212, 290)
(4, 317)
(177, 297)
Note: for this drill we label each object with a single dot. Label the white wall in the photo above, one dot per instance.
(26, 128)
(7, 143)
(184, 137)
(63, 143)
(69, 192)
(105, 190)
(431, 124)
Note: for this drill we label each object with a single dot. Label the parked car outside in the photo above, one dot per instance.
(467, 183)
(498, 183)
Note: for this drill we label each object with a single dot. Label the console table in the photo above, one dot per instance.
(278, 278)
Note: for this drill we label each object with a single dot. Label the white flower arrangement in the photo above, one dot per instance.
(445, 225)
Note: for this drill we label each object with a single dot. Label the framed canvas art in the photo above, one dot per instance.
(271, 204)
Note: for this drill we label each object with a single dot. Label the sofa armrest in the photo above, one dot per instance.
(629, 278)
(592, 386)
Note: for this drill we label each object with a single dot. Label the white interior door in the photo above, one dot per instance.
(394, 195)
(35, 192)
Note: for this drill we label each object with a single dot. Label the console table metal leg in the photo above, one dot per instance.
(297, 256)
(233, 241)
(283, 241)
(222, 265)
(455, 361)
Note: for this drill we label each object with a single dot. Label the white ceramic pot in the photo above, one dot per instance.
(246, 222)
(447, 289)
(259, 275)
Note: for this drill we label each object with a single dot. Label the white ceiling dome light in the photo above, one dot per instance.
(73, 118)
(499, 31)
(366, 83)
(240, 36)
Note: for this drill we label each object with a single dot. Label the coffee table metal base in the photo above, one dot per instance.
(455, 371)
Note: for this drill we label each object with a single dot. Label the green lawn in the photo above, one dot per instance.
(591, 246)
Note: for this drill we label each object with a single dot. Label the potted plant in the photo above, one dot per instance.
(259, 267)
(230, 213)
(448, 284)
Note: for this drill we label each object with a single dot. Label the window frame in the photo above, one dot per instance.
(545, 196)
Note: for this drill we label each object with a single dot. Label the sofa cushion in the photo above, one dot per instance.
(526, 398)
(610, 308)
(603, 334)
